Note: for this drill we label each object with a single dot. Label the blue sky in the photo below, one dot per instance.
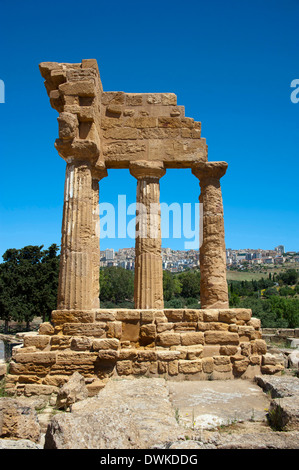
(229, 63)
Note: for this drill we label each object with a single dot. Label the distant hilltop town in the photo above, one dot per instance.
(179, 260)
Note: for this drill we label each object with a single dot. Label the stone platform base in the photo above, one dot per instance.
(177, 344)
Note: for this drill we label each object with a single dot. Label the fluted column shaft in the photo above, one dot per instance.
(148, 288)
(212, 257)
(80, 251)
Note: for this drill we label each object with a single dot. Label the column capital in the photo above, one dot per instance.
(99, 171)
(209, 170)
(144, 169)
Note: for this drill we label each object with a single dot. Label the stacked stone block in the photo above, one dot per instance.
(178, 344)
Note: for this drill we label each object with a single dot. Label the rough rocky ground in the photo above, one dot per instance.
(157, 414)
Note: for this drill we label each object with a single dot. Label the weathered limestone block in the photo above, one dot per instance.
(194, 353)
(162, 367)
(148, 333)
(37, 389)
(59, 317)
(248, 333)
(60, 341)
(168, 339)
(255, 360)
(80, 88)
(146, 355)
(55, 380)
(85, 329)
(124, 367)
(18, 350)
(207, 365)
(205, 326)
(95, 386)
(39, 341)
(243, 314)
(46, 329)
(174, 315)
(221, 337)
(255, 322)
(227, 316)
(173, 367)
(196, 337)
(160, 317)
(191, 315)
(240, 364)
(226, 368)
(227, 350)
(125, 354)
(29, 379)
(114, 329)
(127, 315)
(40, 357)
(130, 331)
(72, 391)
(233, 328)
(140, 368)
(147, 316)
(68, 125)
(211, 350)
(108, 355)
(162, 327)
(105, 315)
(272, 369)
(210, 315)
(245, 349)
(81, 343)
(18, 420)
(284, 413)
(75, 357)
(105, 343)
(185, 326)
(167, 355)
(28, 369)
(3, 370)
(190, 367)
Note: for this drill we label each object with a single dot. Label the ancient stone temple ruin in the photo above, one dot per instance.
(147, 134)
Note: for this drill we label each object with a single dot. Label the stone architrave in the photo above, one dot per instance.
(212, 257)
(148, 290)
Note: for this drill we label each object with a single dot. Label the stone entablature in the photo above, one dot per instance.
(175, 343)
(112, 129)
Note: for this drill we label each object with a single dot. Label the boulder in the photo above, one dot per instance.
(127, 414)
(284, 414)
(71, 392)
(279, 387)
(102, 428)
(18, 420)
(18, 444)
(273, 440)
(293, 359)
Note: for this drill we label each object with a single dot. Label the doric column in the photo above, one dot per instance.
(80, 251)
(148, 289)
(212, 257)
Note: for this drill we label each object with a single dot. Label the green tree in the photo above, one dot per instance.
(190, 282)
(171, 285)
(28, 286)
(289, 277)
(117, 284)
